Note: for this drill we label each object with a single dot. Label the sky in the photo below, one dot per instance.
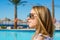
(7, 8)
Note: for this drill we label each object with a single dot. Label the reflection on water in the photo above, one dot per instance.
(21, 35)
(15, 36)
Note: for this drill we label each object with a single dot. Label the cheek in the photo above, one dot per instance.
(33, 23)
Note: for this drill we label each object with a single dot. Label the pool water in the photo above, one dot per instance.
(22, 34)
(57, 35)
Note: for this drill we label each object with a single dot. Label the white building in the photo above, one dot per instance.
(57, 24)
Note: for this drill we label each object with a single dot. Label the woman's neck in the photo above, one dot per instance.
(37, 31)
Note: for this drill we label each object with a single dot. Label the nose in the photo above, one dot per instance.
(28, 18)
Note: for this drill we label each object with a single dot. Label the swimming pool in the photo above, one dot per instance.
(57, 35)
(22, 34)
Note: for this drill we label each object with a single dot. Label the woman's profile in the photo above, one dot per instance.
(40, 19)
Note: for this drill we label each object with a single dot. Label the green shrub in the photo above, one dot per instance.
(3, 27)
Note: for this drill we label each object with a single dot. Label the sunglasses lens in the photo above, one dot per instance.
(31, 16)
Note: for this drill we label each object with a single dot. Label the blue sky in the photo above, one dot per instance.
(7, 8)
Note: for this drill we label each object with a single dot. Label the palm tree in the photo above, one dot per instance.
(16, 3)
(53, 9)
(53, 14)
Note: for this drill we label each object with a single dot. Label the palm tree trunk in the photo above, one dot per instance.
(53, 15)
(15, 17)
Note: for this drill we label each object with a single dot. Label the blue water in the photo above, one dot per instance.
(22, 34)
(57, 35)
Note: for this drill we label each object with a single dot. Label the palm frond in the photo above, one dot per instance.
(15, 1)
(23, 3)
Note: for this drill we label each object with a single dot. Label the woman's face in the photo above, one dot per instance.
(32, 19)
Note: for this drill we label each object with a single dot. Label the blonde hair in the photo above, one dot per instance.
(45, 25)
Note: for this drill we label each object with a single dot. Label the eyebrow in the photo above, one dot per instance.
(32, 13)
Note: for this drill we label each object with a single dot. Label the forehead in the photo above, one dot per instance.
(32, 11)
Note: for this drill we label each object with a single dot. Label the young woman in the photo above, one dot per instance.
(40, 19)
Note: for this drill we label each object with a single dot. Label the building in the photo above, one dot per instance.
(57, 24)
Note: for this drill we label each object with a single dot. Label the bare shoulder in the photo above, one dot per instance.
(40, 38)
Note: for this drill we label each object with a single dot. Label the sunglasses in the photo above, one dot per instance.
(31, 15)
